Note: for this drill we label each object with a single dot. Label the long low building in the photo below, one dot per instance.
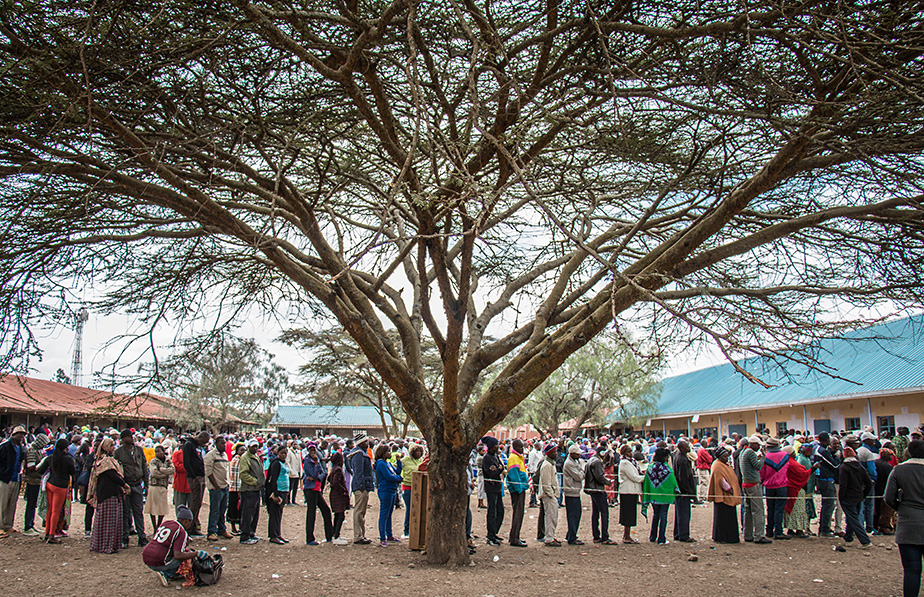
(29, 402)
(343, 421)
(877, 379)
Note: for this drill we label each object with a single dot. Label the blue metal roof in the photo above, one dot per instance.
(328, 416)
(888, 357)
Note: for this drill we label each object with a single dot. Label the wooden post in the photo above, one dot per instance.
(420, 500)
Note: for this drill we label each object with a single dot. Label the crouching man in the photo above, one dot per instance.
(167, 548)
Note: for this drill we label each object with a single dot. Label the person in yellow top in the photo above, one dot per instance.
(409, 464)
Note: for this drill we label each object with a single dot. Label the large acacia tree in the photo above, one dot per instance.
(505, 178)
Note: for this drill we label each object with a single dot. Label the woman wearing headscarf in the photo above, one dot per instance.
(725, 494)
(105, 494)
(630, 487)
(795, 516)
(160, 471)
(62, 471)
(659, 489)
(339, 496)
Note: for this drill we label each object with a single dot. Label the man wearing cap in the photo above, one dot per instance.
(774, 475)
(250, 473)
(168, 547)
(573, 480)
(492, 470)
(361, 484)
(135, 472)
(750, 461)
(548, 493)
(12, 456)
(866, 455)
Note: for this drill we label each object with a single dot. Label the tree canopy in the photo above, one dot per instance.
(505, 178)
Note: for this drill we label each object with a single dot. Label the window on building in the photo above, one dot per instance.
(781, 429)
(887, 425)
(707, 431)
(852, 423)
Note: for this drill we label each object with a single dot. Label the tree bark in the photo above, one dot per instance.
(448, 506)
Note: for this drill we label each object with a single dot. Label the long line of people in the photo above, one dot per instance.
(122, 475)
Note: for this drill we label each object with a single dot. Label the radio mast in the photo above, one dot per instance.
(77, 365)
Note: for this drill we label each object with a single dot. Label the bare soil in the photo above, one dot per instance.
(799, 566)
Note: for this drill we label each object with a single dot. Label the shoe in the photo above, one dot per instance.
(553, 543)
(598, 540)
(494, 542)
(630, 541)
(840, 534)
(888, 533)
(826, 534)
(4, 534)
(251, 541)
(196, 535)
(339, 541)
(840, 548)
(283, 539)
(143, 541)
(362, 541)
(277, 541)
(212, 537)
(163, 579)
(540, 539)
(782, 537)
(749, 541)
(312, 543)
(235, 533)
(520, 543)
(393, 540)
(87, 533)
(383, 543)
(576, 542)
(800, 535)
(687, 540)
(125, 545)
(53, 540)
(608, 542)
(867, 546)
(226, 535)
(665, 542)
(405, 536)
(763, 541)
(31, 533)
(876, 533)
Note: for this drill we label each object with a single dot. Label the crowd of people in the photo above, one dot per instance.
(868, 485)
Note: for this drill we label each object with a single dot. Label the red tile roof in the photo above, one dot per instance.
(38, 396)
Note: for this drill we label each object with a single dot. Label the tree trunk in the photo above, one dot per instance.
(449, 501)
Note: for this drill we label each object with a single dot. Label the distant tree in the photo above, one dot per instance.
(61, 377)
(220, 377)
(606, 379)
(337, 373)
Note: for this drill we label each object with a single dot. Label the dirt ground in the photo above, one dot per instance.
(799, 566)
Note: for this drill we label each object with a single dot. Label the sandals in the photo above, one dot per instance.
(630, 542)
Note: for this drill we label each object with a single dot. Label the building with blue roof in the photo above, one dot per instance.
(877, 379)
(342, 421)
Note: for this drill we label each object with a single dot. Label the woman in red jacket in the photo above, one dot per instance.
(180, 484)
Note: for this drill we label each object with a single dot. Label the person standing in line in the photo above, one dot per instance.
(160, 470)
(867, 453)
(774, 475)
(180, 485)
(517, 484)
(215, 465)
(548, 493)
(388, 480)
(492, 471)
(135, 472)
(294, 464)
(703, 470)
(904, 493)
(314, 478)
(884, 515)
(480, 450)
(12, 457)
(195, 477)
(233, 517)
(825, 465)
(362, 483)
(104, 494)
(62, 471)
(659, 489)
(725, 495)
(339, 496)
(855, 485)
(573, 475)
(33, 482)
(534, 459)
(686, 484)
(276, 490)
(250, 469)
(595, 485)
(409, 465)
(630, 491)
